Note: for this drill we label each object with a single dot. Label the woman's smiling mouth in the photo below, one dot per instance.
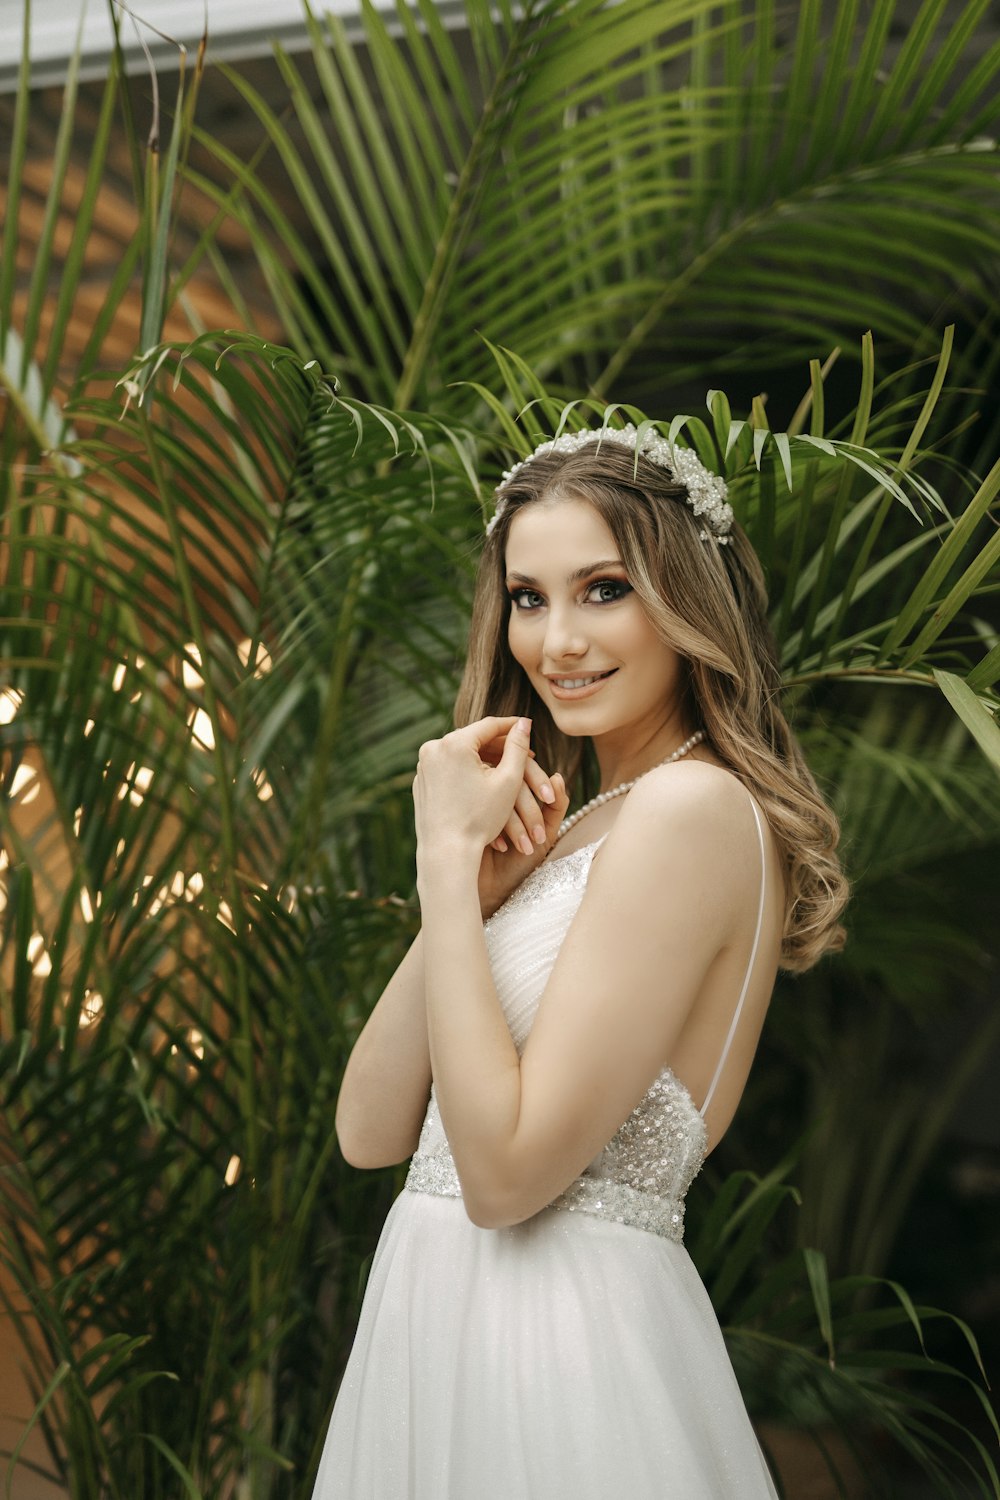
(578, 687)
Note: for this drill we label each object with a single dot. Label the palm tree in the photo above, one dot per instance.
(235, 601)
(633, 198)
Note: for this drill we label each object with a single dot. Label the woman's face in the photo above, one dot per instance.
(579, 631)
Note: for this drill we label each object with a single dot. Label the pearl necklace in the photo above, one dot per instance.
(626, 786)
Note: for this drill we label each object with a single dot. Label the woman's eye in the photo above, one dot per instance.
(607, 590)
(525, 599)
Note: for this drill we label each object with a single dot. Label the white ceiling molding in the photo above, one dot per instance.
(236, 29)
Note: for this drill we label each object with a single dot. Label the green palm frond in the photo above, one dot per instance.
(830, 1356)
(348, 536)
(235, 598)
(853, 600)
(198, 659)
(624, 190)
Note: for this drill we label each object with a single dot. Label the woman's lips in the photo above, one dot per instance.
(592, 683)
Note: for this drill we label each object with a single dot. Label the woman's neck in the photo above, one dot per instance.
(623, 759)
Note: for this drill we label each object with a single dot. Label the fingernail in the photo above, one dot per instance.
(538, 834)
(525, 845)
(500, 844)
(546, 793)
(524, 725)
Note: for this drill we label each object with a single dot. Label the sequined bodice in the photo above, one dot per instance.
(643, 1174)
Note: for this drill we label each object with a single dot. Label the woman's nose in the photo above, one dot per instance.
(563, 636)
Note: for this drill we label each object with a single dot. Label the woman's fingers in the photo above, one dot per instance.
(539, 783)
(555, 813)
(480, 733)
(526, 829)
(532, 822)
(541, 802)
(516, 833)
(491, 752)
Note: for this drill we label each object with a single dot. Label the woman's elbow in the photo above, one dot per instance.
(483, 1215)
(504, 1190)
(367, 1151)
(370, 1156)
(355, 1154)
(372, 1136)
(489, 1208)
(351, 1148)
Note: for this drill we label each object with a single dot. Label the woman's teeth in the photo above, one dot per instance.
(577, 682)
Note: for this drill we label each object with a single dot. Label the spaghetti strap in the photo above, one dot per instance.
(746, 979)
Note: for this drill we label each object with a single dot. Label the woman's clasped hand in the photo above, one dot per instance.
(481, 788)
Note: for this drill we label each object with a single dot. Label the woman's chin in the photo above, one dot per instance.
(576, 723)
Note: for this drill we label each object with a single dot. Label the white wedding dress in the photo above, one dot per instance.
(575, 1356)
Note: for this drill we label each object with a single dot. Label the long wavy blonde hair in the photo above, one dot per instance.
(709, 603)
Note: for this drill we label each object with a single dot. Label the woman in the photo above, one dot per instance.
(533, 1326)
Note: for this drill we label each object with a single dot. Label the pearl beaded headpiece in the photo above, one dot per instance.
(706, 492)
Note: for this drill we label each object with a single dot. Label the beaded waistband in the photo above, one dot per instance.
(600, 1196)
(433, 1174)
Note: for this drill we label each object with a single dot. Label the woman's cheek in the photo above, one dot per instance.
(516, 641)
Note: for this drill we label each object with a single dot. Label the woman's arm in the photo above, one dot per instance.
(674, 882)
(387, 1081)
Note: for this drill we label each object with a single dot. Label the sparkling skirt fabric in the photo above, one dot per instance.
(575, 1356)
(566, 1358)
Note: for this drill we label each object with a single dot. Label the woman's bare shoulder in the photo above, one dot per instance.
(680, 871)
(694, 809)
(700, 789)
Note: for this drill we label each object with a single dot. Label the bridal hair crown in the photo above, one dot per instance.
(706, 492)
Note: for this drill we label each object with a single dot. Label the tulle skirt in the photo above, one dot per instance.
(563, 1357)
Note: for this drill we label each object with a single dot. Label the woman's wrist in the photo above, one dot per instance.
(448, 862)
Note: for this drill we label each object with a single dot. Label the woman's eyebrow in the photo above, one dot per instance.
(609, 562)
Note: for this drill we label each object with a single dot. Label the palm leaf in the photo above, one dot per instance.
(234, 608)
(834, 1355)
(591, 207)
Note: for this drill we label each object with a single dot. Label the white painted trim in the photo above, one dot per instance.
(237, 29)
